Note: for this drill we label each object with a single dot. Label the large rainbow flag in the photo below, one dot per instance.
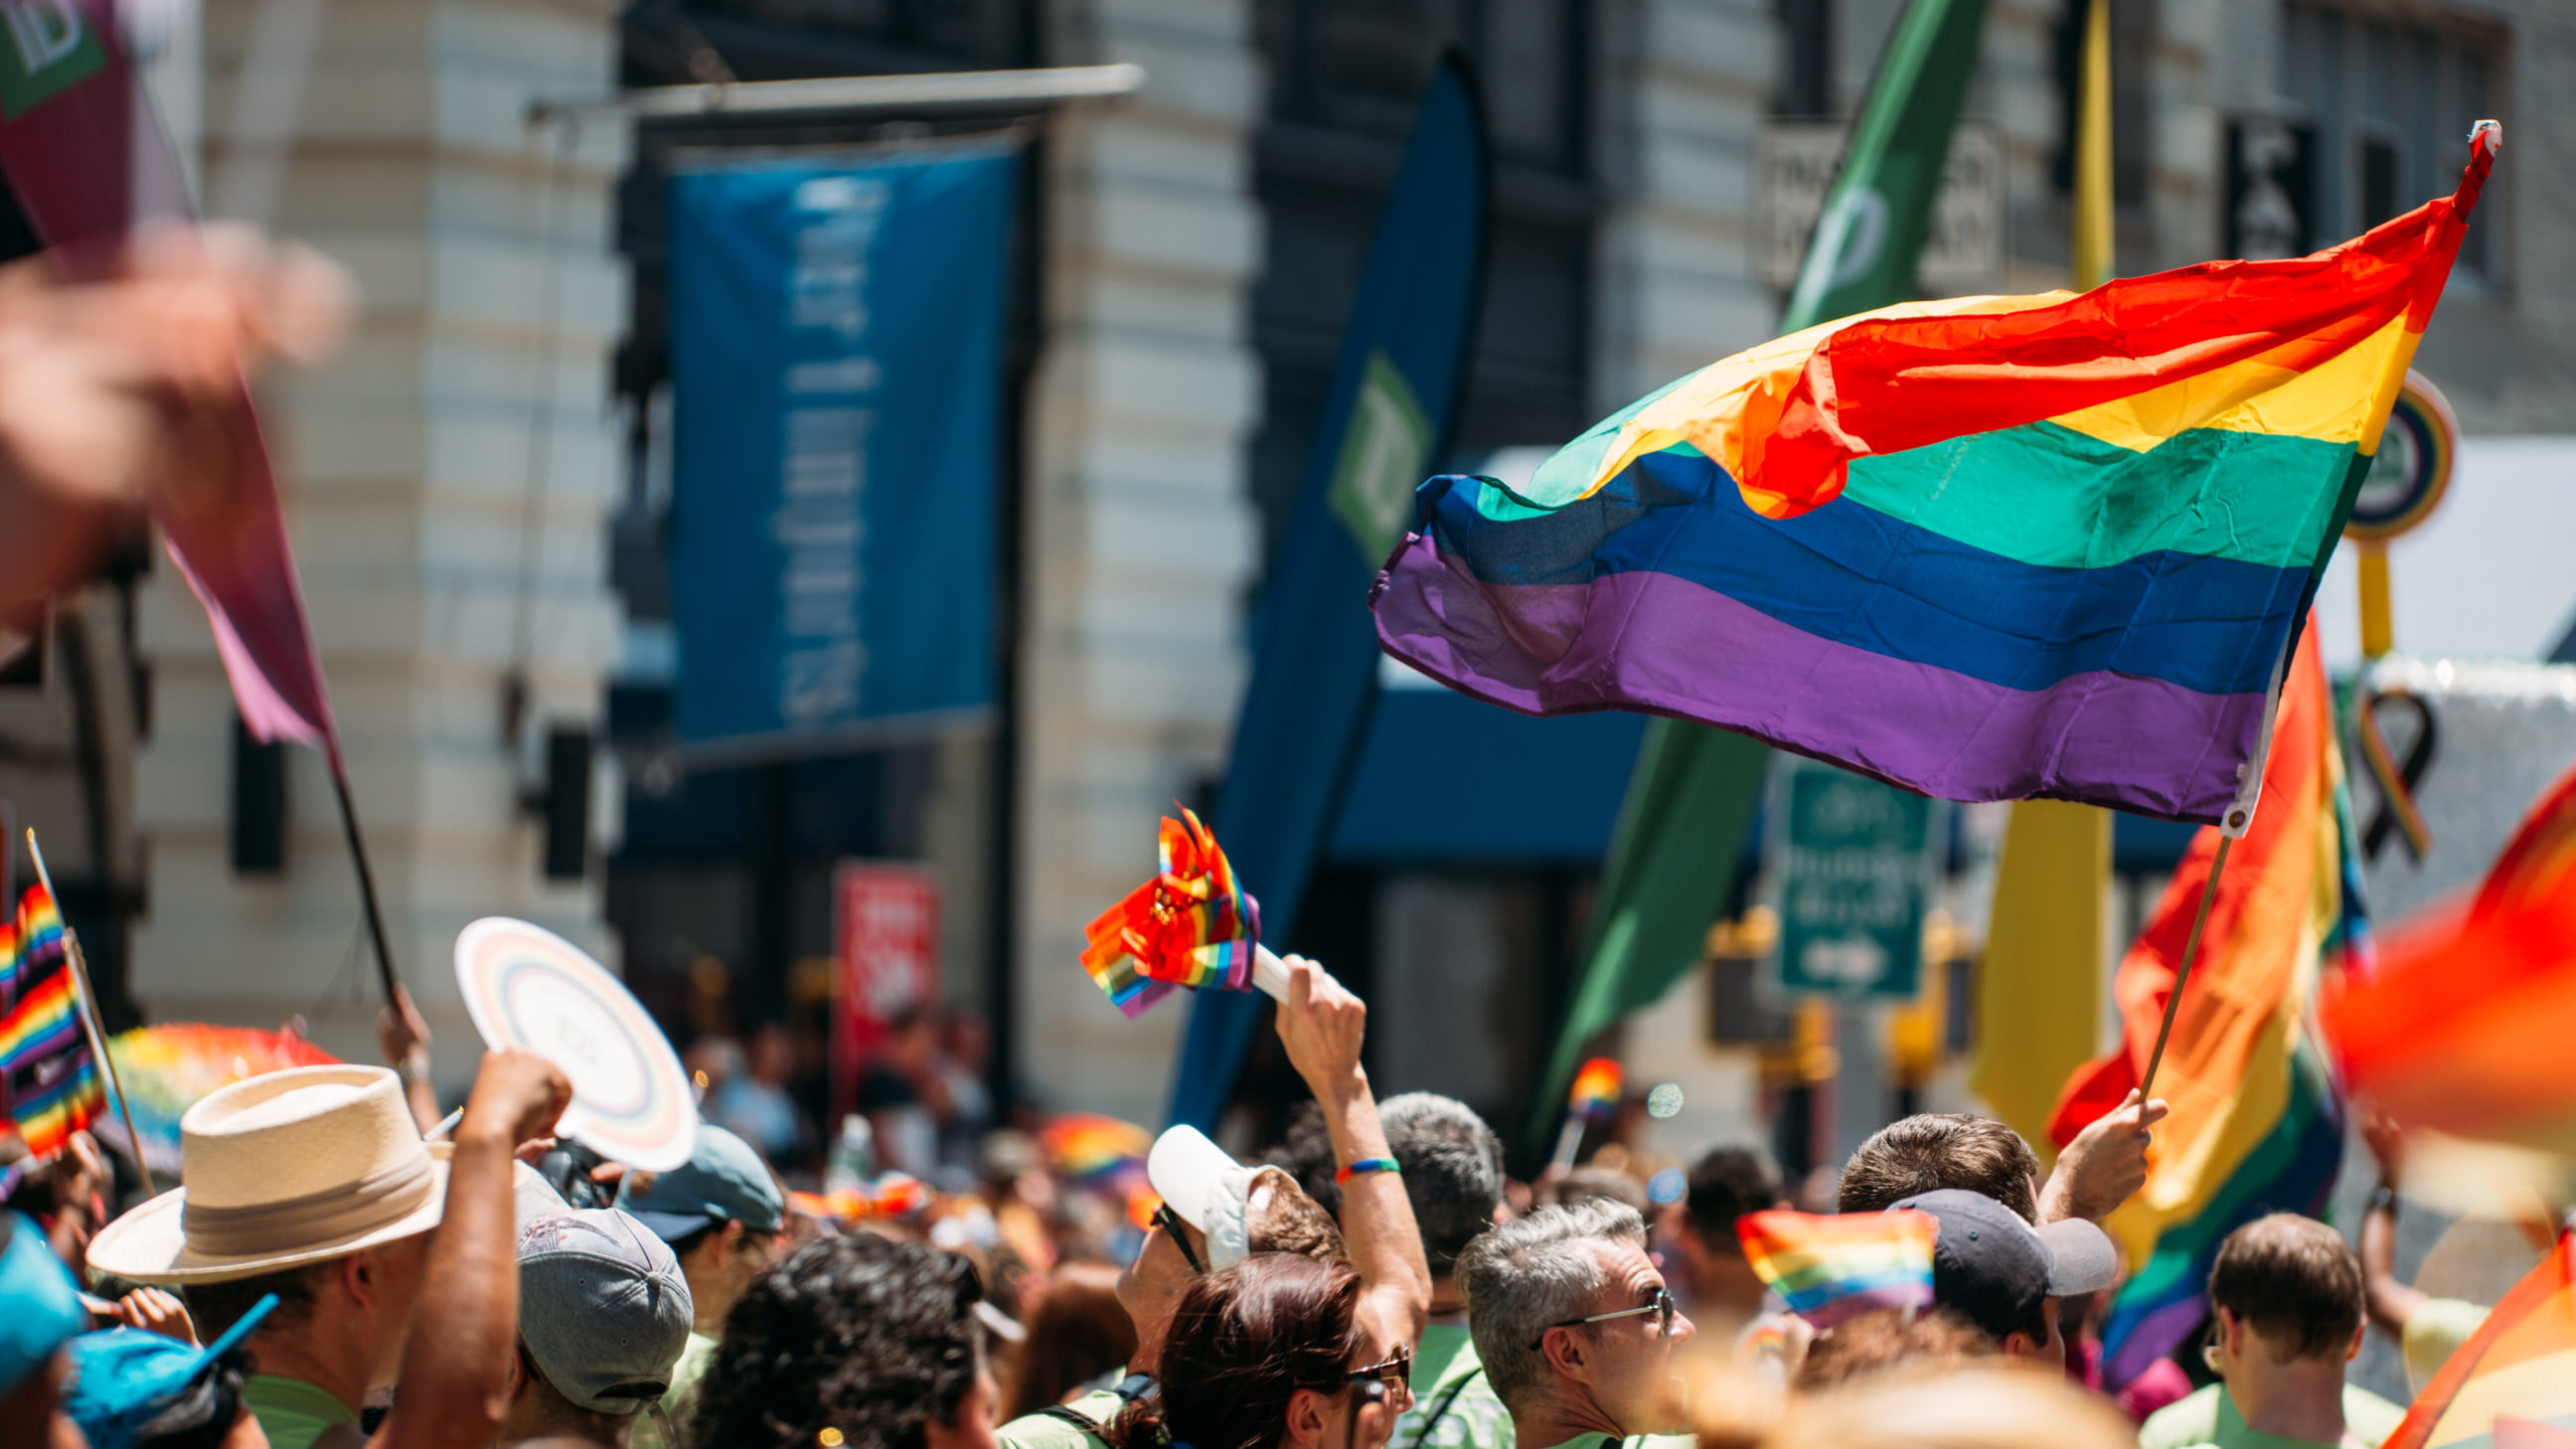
(2513, 1384)
(2257, 1121)
(1987, 548)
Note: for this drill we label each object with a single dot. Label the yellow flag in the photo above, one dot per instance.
(2039, 989)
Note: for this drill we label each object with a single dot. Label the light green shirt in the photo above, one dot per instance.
(2434, 1332)
(1449, 1380)
(1050, 1431)
(680, 1397)
(1633, 1441)
(293, 1413)
(2210, 1417)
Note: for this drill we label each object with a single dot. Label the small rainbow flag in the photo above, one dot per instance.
(1595, 1097)
(2513, 1384)
(46, 1021)
(32, 943)
(1096, 1150)
(1192, 925)
(1990, 548)
(69, 1098)
(1833, 1268)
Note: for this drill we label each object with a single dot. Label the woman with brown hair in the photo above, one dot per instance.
(1077, 1333)
(1273, 1353)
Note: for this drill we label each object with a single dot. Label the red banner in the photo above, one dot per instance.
(886, 924)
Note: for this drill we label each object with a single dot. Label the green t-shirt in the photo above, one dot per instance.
(680, 1397)
(2434, 1332)
(1449, 1380)
(293, 1413)
(2210, 1417)
(1633, 1441)
(1051, 1431)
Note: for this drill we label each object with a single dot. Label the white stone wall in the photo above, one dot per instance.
(1140, 535)
(489, 297)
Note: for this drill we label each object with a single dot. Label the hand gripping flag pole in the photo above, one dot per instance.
(85, 1000)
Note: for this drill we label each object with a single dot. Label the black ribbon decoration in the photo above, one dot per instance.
(2396, 779)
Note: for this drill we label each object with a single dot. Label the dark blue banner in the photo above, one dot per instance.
(836, 334)
(1396, 385)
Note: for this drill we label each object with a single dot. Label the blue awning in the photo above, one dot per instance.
(1448, 780)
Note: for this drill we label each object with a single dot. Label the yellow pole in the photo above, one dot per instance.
(2039, 988)
(2378, 628)
(2092, 247)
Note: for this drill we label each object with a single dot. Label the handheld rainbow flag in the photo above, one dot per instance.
(2463, 1029)
(2257, 1122)
(44, 1024)
(67, 1096)
(1988, 548)
(1591, 1102)
(1832, 1268)
(31, 944)
(1095, 1150)
(1192, 925)
(2513, 1384)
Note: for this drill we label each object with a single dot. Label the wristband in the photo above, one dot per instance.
(1367, 1165)
(2384, 1199)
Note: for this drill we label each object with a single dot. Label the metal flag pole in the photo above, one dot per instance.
(86, 1001)
(366, 874)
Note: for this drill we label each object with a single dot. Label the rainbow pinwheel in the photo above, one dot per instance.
(1192, 925)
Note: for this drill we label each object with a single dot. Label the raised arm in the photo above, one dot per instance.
(2105, 1163)
(1321, 1024)
(455, 1367)
(2389, 1302)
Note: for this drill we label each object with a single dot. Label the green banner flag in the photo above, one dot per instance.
(1694, 787)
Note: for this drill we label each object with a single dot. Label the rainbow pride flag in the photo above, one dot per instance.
(67, 1097)
(45, 1022)
(2513, 1384)
(1832, 1268)
(2464, 1028)
(1987, 548)
(1192, 925)
(2257, 1121)
(31, 944)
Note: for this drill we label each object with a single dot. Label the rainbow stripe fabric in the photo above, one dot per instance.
(2513, 1384)
(2257, 1120)
(1595, 1094)
(46, 1021)
(165, 1069)
(1192, 925)
(1832, 1268)
(31, 944)
(1988, 548)
(2464, 1028)
(67, 1096)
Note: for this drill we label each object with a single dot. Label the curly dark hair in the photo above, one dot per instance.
(1241, 1343)
(860, 1333)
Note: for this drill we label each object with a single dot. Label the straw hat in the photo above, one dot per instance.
(285, 1169)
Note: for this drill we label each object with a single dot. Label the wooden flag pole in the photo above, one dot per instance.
(86, 1001)
(2190, 953)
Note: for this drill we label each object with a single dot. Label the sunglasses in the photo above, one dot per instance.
(1170, 1222)
(1662, 1307)
(1389, 1380)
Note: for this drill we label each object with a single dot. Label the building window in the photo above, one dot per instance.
(2134, 27)
(2391, 97)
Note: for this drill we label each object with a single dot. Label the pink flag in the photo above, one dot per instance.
(89, 162)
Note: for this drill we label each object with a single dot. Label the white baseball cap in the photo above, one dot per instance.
(1211, 1191)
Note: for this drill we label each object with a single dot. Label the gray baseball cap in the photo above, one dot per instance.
(603, 1309)
(724, 1182)
(1995, 1268)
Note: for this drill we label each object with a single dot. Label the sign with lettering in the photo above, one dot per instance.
(1795, 161)
(836, 332)
(1851, 866)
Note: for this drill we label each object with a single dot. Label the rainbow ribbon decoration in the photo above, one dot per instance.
(1832, 1269)
(2396, 779)
(1192, 925)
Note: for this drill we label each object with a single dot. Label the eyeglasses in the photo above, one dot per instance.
(1170, 1222)
(1392, 1378)
(1662, 1307)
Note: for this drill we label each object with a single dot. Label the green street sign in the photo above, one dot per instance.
(1851, 870)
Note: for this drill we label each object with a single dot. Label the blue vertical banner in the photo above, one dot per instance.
(836, 340)
(1397, 383)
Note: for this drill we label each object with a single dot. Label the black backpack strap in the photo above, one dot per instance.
(1128, 1390)
(1439, 1408)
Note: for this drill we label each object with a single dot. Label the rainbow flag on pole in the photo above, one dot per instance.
(30, 945)
(2257, 1122)
(1828, 1269)
(2513, 1384)
(1988, 548)
(68, 1095)
(44, 1023)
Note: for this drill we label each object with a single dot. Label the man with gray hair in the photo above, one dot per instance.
(1453, 1172)
(1576, 1327)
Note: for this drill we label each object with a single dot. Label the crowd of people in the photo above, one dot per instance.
(325, 1277)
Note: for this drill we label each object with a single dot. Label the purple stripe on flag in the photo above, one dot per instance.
(1653, 643)
(1869, 1300)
